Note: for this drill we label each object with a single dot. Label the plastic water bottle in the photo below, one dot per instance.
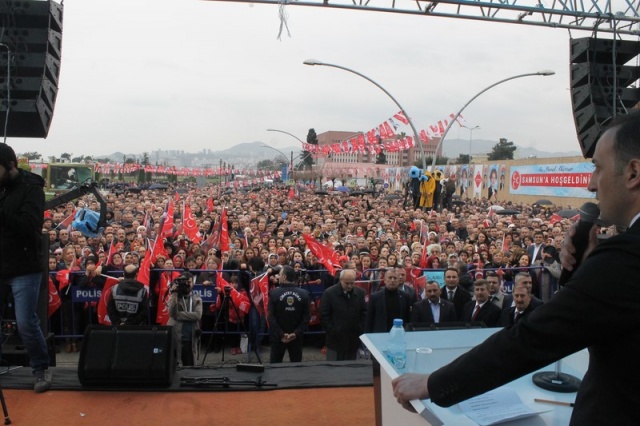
(397, 350)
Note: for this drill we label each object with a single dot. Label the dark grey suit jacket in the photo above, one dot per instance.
(581, 315)
(421, 312)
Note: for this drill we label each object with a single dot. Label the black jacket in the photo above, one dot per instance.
(288, 311)
(421, 312)
(21, 217)
(581, 315)
(489, 313)
(460, 298)
(133, 297)
(343, 318)
(376, 320)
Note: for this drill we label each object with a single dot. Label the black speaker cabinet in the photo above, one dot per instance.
(30, 49)
(132, 356)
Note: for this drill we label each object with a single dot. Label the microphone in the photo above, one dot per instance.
(589, 212)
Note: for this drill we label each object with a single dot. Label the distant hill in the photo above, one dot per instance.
(250, 153)
(454, 147)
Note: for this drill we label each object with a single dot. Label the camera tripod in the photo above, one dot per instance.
(7, 420)
(224, 307)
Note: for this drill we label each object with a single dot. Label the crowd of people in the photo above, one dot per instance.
(370, 233)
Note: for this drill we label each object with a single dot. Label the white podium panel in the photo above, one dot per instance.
(448, 345)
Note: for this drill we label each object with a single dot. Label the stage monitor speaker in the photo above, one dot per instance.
(604, 84)
(30, 48)
(132, 356)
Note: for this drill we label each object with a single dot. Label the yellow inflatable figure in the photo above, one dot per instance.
(427, 190)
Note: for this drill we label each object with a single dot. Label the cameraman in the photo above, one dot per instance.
(185, 312)
(128, 303)
(288, 317)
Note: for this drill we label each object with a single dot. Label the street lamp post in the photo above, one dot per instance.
(471, 129)
(282, 153)
(413, 128)
(293, 136)
(541, 73)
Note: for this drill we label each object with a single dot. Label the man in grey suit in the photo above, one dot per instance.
(432, 309)
(496, 296)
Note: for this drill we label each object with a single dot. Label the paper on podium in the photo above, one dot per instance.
(497, 406)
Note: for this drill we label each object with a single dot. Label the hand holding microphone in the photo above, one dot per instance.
(579, 241)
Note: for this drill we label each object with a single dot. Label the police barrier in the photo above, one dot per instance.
(84, 300)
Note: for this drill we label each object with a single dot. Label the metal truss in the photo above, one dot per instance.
(616, 17)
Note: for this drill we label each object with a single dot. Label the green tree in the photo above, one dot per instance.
(429, 160)
(66, 156)
(266, 165)
(503, 150)
(31, 155)
(463, 159)
(307, 157)
(381, 158)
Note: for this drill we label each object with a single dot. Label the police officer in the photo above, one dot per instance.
(128, 303)
(288, 317)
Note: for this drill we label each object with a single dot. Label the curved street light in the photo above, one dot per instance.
(293, 136)
(471, 129)
(286, 133)
(541, 73)
(413, 128)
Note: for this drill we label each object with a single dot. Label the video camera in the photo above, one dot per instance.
(183, 283)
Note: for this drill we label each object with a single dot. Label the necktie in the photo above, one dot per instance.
(450, 295)
(475, 313)
(517, 317)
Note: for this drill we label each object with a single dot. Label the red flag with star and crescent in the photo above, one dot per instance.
(259, 291)
(327, 256)
(240, 300)
(103, 316)
(224, 231)
(54, 298)
(167, 223)
(189, 224)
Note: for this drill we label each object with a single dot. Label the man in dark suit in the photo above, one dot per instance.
(481, 309)
(342, 313)
(387, 304)
(432, 309)
(523, 278)
(522, 308)
(578, 316)
(454, 293)
(535, 250)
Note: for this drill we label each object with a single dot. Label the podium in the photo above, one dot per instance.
(448, 345)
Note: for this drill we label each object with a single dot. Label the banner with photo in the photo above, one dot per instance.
(478, 181)
(557, 180)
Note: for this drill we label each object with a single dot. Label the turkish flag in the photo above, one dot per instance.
(144, 275)
(326, 255)
(555, 218)
(240, 300)
(103, 317)
(189, 225)
(166, 278)
(166, 228)
(210, 204)
(256, 289)
(54, 298)
(424, 257)
(224, 231)
(63, 278)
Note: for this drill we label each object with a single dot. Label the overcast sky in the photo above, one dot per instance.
(138, 75)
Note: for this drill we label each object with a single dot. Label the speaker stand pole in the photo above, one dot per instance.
(7, 420)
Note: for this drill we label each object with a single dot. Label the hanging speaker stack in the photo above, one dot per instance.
(30, 46)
